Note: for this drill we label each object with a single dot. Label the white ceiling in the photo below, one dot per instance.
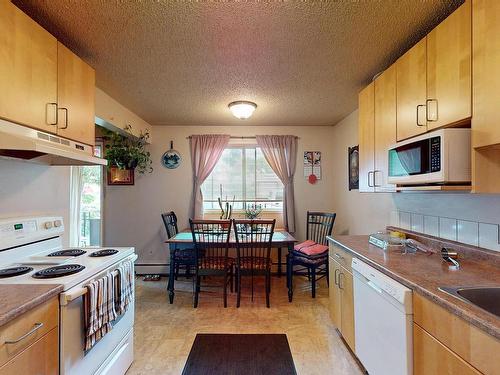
(181, 63)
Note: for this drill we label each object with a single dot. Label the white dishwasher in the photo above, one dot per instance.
(383, 322)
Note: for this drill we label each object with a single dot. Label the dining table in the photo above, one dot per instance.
(184, 240)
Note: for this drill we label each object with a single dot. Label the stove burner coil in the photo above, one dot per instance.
(14, 271)
(104, 253)
(58, 271)
(67, 253)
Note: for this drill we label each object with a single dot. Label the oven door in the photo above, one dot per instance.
(416, 161)
(113, 352)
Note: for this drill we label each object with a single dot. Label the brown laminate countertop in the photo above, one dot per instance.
(16, 299)
(424, 274)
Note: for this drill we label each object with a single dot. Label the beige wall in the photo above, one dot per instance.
(362, 213)
(117, 116)
(29, 189)
(132, 214)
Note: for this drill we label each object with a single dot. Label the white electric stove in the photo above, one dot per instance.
(31, 252)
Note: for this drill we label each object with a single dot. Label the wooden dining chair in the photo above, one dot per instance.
(179, 258)
(253, 252)
(319, 225)
(211, 242)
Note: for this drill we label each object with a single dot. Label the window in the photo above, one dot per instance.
(245, 175)
(86, 205)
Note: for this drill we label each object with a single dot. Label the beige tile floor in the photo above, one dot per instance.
(164, 333)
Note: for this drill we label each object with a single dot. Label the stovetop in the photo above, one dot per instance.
(43, 268)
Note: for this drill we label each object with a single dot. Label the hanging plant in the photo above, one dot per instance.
(127, 152)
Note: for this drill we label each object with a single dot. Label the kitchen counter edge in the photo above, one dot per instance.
(468, 314)
(17, 299)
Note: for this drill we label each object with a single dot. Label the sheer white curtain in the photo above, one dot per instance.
(280, 152)
(75, 196)
(206, 151)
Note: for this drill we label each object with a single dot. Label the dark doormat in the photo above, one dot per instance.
(226, 354)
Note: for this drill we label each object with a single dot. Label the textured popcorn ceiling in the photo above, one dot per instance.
(180, 62)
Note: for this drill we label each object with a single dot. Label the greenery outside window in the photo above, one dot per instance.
(246, 177)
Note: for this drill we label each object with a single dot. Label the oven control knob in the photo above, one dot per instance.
(48, 225)
(57, 223)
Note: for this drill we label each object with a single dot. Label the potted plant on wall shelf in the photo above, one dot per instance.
(125, 155)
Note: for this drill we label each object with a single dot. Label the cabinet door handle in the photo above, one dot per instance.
(374, 178)
(66, 118)
(336, 274)
(418, 111)
(341, 285)
(29, 333)
(47, 113)
(369, 173)
(427, 102)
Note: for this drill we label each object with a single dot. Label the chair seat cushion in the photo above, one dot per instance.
(259, 263)
(306, 260)
(216, 263)
(315, 249)
(303, 245)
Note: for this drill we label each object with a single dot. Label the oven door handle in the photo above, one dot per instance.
(66, 297)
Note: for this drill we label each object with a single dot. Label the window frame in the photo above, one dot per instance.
(243, 148)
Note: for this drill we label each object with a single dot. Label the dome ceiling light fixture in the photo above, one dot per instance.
(242, 109)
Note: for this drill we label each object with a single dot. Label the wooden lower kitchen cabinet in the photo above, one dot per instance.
(34, 342)
(334, 293)
(347, 303)
(341, 293)
(430, 357)
(41, 358)
(469, 343)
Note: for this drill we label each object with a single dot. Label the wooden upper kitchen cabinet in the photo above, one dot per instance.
(411, 78)
(28, 70)
(449, 69)
(366, 135)
(385, 126)
(486, 73)
(485, 96)
(76, 97)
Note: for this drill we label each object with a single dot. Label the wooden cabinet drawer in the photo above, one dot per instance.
(343, 257)
(470, 343)
(46, 316)
(41, 358)
(433, 358)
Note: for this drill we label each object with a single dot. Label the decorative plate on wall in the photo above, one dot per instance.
(171, 159)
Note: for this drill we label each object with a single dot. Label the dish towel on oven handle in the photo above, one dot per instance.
(99, 309)
(125, 287)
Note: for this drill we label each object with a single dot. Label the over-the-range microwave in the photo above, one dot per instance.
(438, 157)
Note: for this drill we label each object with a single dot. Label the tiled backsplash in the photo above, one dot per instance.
(470, 232)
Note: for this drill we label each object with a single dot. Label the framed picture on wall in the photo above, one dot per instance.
(117, 176)
(353, 167)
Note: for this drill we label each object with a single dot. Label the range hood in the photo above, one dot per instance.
(20, 142)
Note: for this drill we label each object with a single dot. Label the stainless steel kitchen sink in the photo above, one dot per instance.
(487, 298)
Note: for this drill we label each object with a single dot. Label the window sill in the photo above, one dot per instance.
(240, 214)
